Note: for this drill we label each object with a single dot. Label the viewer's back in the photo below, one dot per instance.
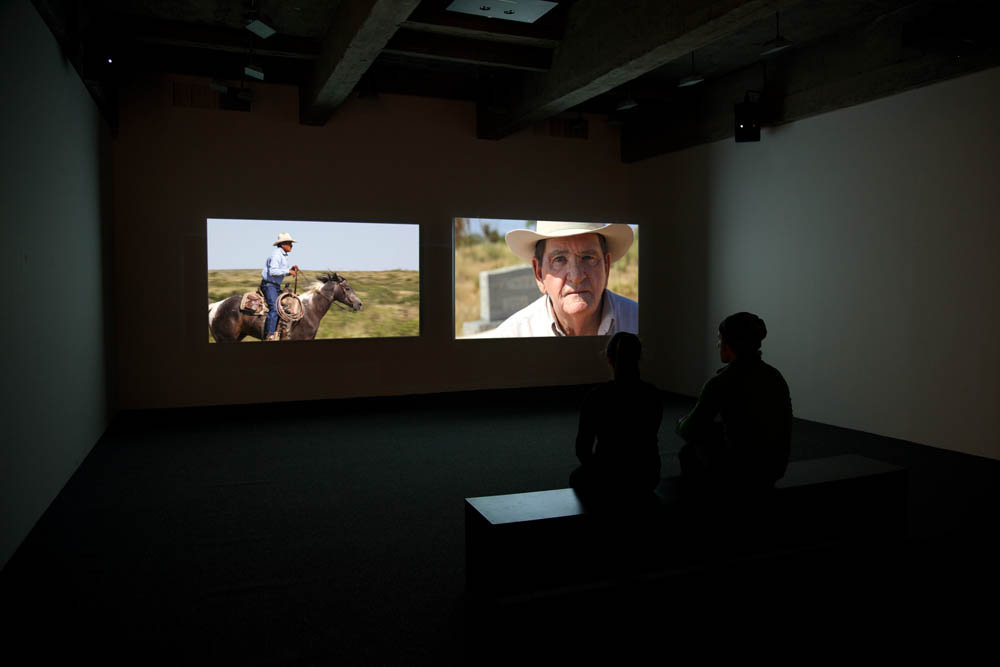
(756, 412)
(625, 417)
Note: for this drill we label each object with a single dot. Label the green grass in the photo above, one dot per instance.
(391, 301)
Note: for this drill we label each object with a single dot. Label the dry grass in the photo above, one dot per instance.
(391, 301)
(471, 260)
(624, 277)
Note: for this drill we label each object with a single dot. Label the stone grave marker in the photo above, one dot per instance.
(502, 292)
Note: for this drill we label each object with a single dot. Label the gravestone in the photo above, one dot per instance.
(502, 292)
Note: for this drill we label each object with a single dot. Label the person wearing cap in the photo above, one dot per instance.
(749, 448)
(571, 262)
(275, 269)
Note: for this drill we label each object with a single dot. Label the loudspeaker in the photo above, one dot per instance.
(747, 125)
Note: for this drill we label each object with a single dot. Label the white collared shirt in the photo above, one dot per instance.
(618, 313)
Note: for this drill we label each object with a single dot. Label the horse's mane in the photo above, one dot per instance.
(323, 279)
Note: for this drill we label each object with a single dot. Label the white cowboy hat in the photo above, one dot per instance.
(522, 241)
(284, 237)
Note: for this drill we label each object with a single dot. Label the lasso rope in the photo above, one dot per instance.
(293, 314)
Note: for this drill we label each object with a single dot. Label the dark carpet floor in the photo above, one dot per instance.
(332, 533)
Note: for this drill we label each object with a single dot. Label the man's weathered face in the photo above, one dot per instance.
(573, 273)
(287, 247)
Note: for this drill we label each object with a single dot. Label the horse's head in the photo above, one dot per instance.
(336, 287)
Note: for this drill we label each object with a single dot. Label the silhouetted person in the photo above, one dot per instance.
(738, 435)
(617, 438)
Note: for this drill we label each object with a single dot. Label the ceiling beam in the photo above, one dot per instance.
(472, 51)
(478, 34)
(891, 54)
(223, 65)
(607, 44)
(212, 38)
(358, 32)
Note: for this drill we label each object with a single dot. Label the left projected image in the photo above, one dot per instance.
(283, 280)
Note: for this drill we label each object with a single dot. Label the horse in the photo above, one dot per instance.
(229, 324)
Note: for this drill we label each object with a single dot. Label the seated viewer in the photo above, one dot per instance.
(749, 444)
(617, 439)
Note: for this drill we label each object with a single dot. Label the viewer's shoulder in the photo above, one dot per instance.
(651, 393)
(775, 374)
(769, 369)
(650, 387)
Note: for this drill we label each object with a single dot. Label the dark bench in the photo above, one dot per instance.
(527, 542)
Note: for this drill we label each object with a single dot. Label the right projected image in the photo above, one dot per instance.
(534, 278)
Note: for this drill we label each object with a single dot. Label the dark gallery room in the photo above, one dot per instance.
(421, 199)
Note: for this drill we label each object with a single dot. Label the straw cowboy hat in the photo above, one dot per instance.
(284, 237)
(522, 241)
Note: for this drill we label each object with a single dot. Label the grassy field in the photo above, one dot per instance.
(470, 260)
(391, 301)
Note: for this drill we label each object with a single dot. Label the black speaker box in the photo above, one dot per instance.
(747, 126)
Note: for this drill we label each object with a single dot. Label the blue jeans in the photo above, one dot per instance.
(271, 291)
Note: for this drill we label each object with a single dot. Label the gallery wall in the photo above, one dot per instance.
(867, 239)
(387, 159)
(53, 189)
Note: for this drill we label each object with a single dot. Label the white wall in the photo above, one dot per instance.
(54, 394)
(869, 241)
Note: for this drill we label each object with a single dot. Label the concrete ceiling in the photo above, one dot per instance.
(581, 56)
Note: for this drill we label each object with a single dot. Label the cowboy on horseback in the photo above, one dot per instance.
(275, 269)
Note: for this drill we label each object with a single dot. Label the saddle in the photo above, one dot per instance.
(289, 305)
(253, 303)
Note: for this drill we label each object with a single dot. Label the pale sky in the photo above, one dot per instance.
(337, 246)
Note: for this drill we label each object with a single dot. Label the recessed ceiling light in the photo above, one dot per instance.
(522, 11)
(260, 29)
